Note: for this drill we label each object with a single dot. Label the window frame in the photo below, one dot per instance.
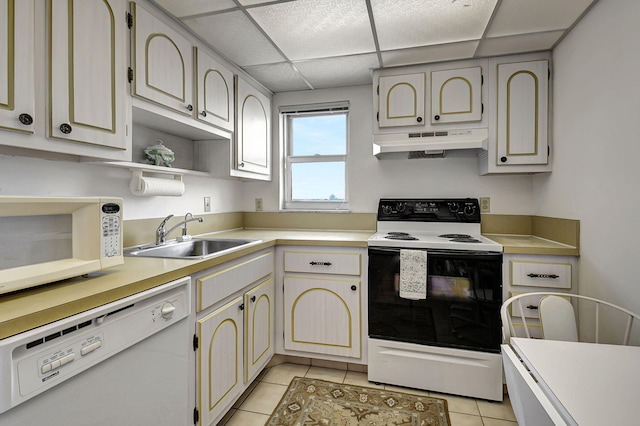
(286, 115)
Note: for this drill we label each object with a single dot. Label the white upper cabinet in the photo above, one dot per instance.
(523, 91)
(456, 95)
(215, 92)
(162, 63)
(17, 102)
(88, 72)
(401, 100)
(253, 131)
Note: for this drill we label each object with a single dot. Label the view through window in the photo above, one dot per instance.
(315, 167)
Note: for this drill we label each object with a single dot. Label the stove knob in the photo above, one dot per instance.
(386, 209)
(454, 207)
(401, 207)
(469, 210)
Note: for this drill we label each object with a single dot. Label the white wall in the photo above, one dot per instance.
(370, 179)
(597, 148)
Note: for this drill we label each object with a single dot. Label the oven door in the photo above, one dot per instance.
(462, 307)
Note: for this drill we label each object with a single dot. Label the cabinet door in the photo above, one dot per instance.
(253, 133)
(322, 315)
(87, 72)
(456, 95)
(219, 373)
(259, 322)
(401, 100)
(522, 113)
(17, 104)
(163, 63)
(215, 92)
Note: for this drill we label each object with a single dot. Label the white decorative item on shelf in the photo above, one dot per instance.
(159, 155)
(150, 186)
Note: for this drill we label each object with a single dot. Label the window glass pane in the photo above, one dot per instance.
(322, 135)
(318, 181)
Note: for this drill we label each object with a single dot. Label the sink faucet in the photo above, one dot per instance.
(161, 233)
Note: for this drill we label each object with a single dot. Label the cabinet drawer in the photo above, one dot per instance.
(224, 282)
(541, 274)
(529, 306)
(322, 262)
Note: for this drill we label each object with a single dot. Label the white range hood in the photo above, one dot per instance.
(430, 143)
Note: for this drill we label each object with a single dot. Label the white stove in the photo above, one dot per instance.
(450, 224)
(434, 317)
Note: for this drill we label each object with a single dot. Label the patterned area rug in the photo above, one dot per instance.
(318, 402)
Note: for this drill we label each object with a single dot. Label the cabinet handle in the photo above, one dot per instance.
(532, 307)
(354, 288)
(241, 164)
(65, 128)
(189, 107)
(25, 119)
(253, 298)
(241, 307)
(313, 263)
(419, 119)
(436, 117)
(503, 159)
(553, 276)
(203, 113)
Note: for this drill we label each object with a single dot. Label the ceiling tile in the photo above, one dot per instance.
(418, 55)
(235, 38)
(277, 77)
(520, 17)
(411, 23)
(338, 72)
(307, 29)
(180, 8)
(518, 43)
(253, 2)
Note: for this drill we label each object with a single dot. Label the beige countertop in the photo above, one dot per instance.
(24, 310)
(531, 244)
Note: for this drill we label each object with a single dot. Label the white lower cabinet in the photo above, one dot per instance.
(324, 302)
(234, 333)
(527, 273)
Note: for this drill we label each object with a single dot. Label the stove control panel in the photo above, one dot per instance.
(464, 210)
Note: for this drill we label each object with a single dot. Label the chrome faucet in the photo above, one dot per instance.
(161, 233)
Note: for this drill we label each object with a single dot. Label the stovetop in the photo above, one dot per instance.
(452, 224)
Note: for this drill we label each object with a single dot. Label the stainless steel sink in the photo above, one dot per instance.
(198, 248)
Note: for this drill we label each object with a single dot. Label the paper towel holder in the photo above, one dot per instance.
(137, 184)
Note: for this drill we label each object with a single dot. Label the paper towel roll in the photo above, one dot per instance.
(149, 186)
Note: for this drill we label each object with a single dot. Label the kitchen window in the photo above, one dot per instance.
(316, 147)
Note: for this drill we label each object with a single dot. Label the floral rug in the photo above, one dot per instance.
(318, 402)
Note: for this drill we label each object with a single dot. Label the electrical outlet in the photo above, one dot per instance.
(485, 204)
(207, 204)
(258, 204)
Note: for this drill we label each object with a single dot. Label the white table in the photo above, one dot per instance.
(587, 383)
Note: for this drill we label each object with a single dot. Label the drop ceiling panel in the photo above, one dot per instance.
(278, 77)
(340, 71)
(233, 36)
(180, 8)
(306, 29)
(518, 43)
(411, 23)
(519, 17)
(420, 55)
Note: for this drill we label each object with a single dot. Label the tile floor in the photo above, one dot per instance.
(259, 401)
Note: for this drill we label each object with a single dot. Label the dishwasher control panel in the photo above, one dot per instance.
(41, 358)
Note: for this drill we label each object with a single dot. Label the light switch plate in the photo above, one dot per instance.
(207, 204)
(258, 204)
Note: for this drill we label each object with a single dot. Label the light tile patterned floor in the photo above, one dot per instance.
(258, 402)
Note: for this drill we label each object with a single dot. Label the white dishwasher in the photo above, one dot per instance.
(124, 363)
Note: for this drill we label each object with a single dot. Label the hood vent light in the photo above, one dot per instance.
(428, 143)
